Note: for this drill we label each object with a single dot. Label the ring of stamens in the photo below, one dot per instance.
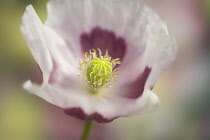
(99, 71)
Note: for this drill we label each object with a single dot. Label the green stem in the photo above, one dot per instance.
(86, 131)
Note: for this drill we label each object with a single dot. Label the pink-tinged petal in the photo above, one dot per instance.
(160, 52)
(80, 21)
(66, 17)
(135, 88)
(148, 103)
(105, 41)
(126, 37)
(64, 72)
(143, 72)
(65, 68)
(133, 64)
(80, 114)
(103, 108)
(127, 29)
(49, 50)
(86, 24)
(33, 32)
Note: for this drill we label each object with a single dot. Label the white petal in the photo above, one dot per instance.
(68, 20)
(109, 106)
(126, 19)
(137, 38)
(61, 55)
(49, 50)
(158, 54)
(147, 103)
(65, 67)
(66, 17)
(160, 51)
(33, 32)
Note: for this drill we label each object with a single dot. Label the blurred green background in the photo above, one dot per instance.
(183, 90)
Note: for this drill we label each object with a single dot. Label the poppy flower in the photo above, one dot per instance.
(100, 59)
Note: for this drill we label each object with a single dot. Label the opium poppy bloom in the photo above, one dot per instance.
(100, 59)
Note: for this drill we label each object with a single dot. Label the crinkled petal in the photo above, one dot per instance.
(143, 72)
(148, 103)
(104, 108)
(160, 52)
(127, 29)
(135, 88)
(120, 18)
(118, 26)
(49, 50)
(65, 17)
(33, 32)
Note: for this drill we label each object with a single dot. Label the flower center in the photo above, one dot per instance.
(98, 71)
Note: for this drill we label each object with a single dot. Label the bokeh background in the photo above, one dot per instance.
(184, 89)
